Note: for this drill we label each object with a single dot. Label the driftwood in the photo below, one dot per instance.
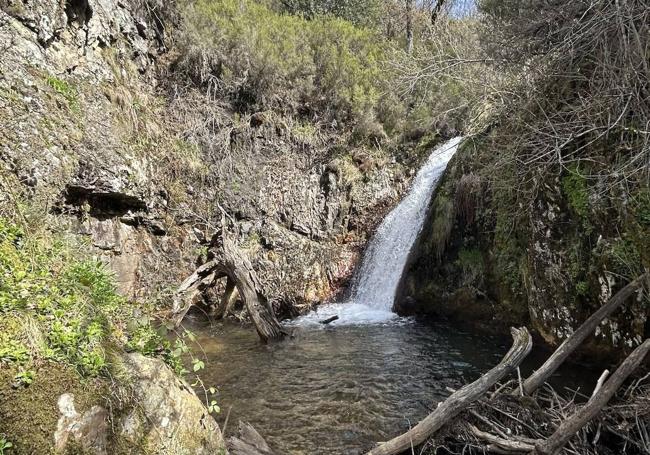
(460, 400)
(501, 444)
(540, 376)
(230, 262)
(249, 442)
(579, 419)
(329, 320)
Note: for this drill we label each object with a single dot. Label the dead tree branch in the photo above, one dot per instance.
(580, 418)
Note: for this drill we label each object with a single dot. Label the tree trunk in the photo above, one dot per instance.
(580, 418)
(241, 271)
(227, 299)
(587, 328)
(436, 11)
(231, 263)
(461, 399)
(409, 26)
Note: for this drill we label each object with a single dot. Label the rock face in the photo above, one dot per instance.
(484, 259)
(90, 429)
(153, 412)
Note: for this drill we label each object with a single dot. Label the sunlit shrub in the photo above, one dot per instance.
(264, 59)
(58, 307)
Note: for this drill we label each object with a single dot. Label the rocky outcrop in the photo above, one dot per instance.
(153, 412)
(101, 145)
(90, 429)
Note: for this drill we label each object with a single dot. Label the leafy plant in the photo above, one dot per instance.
(67, 303)
(197, 365)
(4, 444)
(24, 378)
(214, 408)
(65, 89)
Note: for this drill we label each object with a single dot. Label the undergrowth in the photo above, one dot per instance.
(56, 304)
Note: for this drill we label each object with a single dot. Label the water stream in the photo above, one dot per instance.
(338, 390)
(368, 376)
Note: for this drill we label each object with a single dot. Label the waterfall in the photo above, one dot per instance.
(375, 282)
(384, 260)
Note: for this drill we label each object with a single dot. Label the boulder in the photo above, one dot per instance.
(168, 417)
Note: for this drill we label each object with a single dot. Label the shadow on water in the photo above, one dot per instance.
(338, 390)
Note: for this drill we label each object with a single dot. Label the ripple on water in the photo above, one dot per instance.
(341, 388)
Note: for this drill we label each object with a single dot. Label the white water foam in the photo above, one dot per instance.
(376, 281)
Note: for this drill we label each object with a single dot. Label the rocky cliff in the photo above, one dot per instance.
(102, 139)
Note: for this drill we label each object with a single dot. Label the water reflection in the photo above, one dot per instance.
(339, 390)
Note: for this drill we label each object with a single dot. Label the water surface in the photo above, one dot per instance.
(338, 390)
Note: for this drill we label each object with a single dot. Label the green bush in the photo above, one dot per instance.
(265, 59)
(56, 306)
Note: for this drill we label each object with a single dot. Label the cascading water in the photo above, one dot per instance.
(376, 281)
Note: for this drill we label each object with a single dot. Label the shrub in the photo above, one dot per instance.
(360, 12)
(263, 59)
(56, 306)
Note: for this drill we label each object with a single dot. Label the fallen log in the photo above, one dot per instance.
(461, 399)
(249, 442)
(580, 418)
(539, 377)
(328, 320)
(230, 262)
(186, 293)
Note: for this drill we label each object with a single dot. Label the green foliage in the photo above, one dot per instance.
(623, 258)
(576, 191)
(470, 260)
(443, 222)
(213, 407)
(360, 12)
(65, 89)
(641, 205)
(582, 288)
(24, 378)
(56, 306)
(5, 444)
(270, 60)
